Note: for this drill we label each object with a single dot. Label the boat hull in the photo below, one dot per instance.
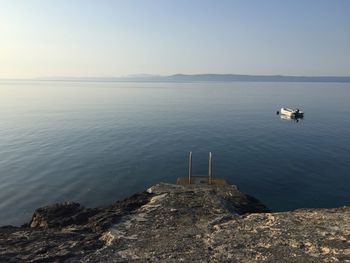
(292, 113)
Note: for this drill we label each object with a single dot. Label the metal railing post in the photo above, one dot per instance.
(210, 168)
(190, 168)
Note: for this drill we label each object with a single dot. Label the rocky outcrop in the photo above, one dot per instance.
(172, 223)
(64, 232)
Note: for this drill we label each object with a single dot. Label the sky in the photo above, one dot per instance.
(105, 38)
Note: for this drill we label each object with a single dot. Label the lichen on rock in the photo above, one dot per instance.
(172, 223)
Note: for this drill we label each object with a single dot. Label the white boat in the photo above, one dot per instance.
(292, 113)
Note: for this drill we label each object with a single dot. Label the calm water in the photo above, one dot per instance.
(98, 142)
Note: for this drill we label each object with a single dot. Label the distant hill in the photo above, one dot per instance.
(206, 77)
(267, 78)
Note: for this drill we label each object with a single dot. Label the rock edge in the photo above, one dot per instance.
(172, 223)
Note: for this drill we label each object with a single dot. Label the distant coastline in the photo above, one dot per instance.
(196, 78)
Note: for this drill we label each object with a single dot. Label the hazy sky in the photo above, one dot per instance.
(113, 38)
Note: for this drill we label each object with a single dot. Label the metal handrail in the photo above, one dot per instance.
(190, 168)
(210, 168)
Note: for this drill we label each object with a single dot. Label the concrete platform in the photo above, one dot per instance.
(200, 180)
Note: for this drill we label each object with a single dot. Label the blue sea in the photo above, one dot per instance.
(98, 142)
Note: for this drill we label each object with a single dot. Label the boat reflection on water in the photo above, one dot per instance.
(291, 118)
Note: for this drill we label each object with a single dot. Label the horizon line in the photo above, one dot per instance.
(145, 76)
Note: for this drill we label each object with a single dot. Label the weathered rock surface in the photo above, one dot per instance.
(171, 223)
